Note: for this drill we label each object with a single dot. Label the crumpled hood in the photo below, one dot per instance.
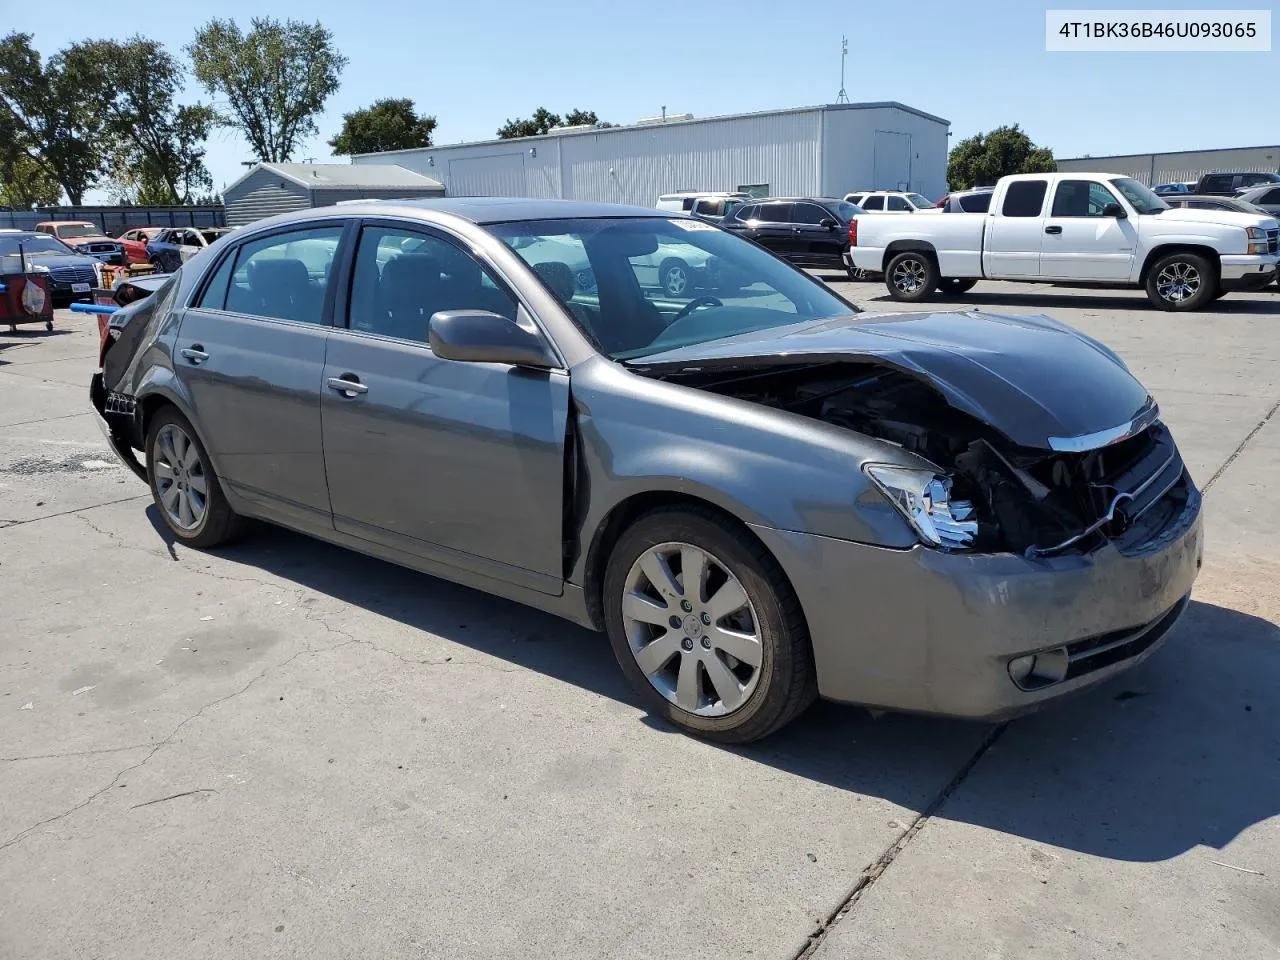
(1030, 377)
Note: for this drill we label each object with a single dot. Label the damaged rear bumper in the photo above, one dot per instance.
(120, 445)
(926, 631)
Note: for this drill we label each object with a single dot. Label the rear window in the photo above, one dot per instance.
(975, 203)
(1024, 198)
(775, 212)
(872, 203)
(1216, 182)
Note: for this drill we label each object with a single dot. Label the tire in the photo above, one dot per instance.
(856, 275)
(954, 286)
(756, 699)
(675, 278)
(911, 276)
(1182, 282)
(216, 523)
(157, 264)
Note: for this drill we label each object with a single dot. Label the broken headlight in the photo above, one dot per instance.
(924, 499)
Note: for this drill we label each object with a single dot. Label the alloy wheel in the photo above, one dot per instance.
(692, 629)
(181, 482)
(908, 275)
(1178, 281)
(677, 281)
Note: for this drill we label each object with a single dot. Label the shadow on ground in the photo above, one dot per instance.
(987, 296)
(1181, 751)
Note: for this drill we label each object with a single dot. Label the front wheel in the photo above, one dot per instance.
(706, 627)
(956, 285)
(1182, 281)
(911, 276)
(183, 483)
(675, 279)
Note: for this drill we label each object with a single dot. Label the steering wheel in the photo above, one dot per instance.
(693, 305)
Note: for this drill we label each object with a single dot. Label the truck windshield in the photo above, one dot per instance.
(1143, 200)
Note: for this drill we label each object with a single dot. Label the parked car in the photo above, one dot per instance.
(1160, 189)
(975, 200)
(135, 240)
(760, 495)
(1226, 184)
(1194, 201)
(808, 231)
(1265, 197)
(1097, 229)
(686, 201)
(172, 247)
(676, 267)
(72, 274)
(889, 201)
(85, 237)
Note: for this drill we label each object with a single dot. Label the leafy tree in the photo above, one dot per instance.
(543, 121)
(24, 182)
(389, 124)
(135, 84)
(53, 119)
(985, 158)
(275, 78)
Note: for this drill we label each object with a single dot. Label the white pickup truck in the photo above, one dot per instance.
(1080, 229)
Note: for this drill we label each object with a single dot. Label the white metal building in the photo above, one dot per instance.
(807, 151)
(1179, 166)
(271, 188)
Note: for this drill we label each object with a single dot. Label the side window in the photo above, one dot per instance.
(1081, 198)
(284, 276)
(976, 203)
(1024, 198)
(749, 211)
(1271, 196)
(775, 212)
(215, 294)
(402, 277)
(898, 204)
(872, 203)
(708, 208)
(856, 199)
(809, 213)
(686, 204)
(1217, 182)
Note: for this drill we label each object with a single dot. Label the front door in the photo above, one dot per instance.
(774, 230)
(1081, 242)
(461, 463)
(251, 354)
(820, 243)
(1011, 247)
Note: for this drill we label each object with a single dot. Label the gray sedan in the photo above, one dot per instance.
(762, 495)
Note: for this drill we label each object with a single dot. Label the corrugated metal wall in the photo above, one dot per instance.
(1153, 168)
(263, 194)
(878, 149)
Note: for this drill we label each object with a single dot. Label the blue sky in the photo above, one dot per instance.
(979, 64)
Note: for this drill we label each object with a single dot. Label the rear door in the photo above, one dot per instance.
(1080, 242)
(774, 230)
(819, 245)
(1015, 232)
(460, 463)
(251, 355)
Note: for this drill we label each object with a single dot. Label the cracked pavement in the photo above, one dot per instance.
(285, 749)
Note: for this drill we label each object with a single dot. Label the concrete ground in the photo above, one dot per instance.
(284, 749)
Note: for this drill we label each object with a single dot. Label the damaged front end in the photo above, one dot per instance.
(987, 493)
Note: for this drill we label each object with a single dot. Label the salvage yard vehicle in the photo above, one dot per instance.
(761, 494)
(71, 275)
(808, 231)
(889, 201)
(1227, 184)
(85, 237)
(135, 240)
(172, 247)
(1087, 229)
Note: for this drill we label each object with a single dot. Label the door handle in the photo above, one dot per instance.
(1053, 229)
(195, 353)
(348, 385)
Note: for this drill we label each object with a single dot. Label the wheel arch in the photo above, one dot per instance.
(907, 246)
(152, 397)
(1183, 247)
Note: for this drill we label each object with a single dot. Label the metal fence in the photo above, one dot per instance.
(115, 220)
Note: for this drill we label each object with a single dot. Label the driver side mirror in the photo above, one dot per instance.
(479, 336)
(1114, 210)
(828, 223)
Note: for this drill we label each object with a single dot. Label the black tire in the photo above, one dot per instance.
(157, 265)
(911, 276)
(954, 286)
(787, 681)
(219, 524)
(856, 275)
(1192, 268)
(675, 277)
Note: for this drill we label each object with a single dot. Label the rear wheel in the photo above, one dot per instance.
(911, 276)
(183, 483)
(675, 279)
(1182, 281)
(956, 285)
(706, 627)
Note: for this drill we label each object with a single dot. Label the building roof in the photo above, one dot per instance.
(1165, 153)
(649, 124)
(345, 176)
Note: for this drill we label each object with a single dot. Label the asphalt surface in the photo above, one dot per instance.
(288, 750)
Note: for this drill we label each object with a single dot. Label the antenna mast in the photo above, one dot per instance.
(843, 97)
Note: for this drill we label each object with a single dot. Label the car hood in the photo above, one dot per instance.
(1037, 381)
(12, 262)
(1224, 218)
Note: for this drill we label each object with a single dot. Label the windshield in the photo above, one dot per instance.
(1142, 199)
(77, 230)
(34, 246)
(845, 210)
(642, 285)
(918, 201)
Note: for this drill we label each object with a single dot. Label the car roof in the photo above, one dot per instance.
(799, 200)
(484, 210)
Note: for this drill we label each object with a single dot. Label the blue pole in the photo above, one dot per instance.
(92, 308)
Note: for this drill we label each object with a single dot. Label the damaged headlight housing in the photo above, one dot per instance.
(924, 499)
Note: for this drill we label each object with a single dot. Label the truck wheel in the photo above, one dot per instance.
(911, 276)
(1182, 281)
(956, 285)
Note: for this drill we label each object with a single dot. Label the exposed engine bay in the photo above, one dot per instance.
(1035, 502)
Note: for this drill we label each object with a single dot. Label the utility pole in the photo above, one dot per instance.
(843, 97)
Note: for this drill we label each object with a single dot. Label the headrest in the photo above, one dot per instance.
(558, 278)
(285, 272)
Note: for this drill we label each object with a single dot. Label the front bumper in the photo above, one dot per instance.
(1248, 272)
(932, 632)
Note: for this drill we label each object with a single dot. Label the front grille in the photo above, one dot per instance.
(65, 276)
(102, 247)
(1086, 656)
(1273, 240)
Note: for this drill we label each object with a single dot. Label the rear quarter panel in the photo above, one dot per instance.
(955, 238)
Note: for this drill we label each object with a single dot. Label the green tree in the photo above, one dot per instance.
(275, 79)
(389, 124)
(24, 182)
(55, 121)
(543, 121)
(135, 84)
(983, 159)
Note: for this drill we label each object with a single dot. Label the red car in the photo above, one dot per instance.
(85, 237)
(135, 243)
